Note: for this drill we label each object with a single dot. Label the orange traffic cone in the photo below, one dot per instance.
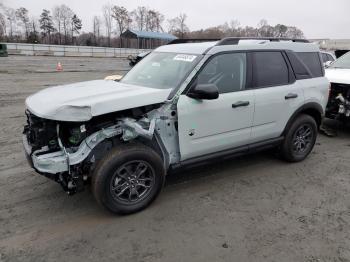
(59, 67)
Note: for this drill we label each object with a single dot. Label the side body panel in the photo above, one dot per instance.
(316, 90)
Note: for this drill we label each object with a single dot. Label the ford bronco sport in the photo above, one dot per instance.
(181, 105)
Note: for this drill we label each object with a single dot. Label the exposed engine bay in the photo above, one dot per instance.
(67, 152)
(339, 102)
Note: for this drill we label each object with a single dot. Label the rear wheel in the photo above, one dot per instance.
(300, 139)
(128, 179)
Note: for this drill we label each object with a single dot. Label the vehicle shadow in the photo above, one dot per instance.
(219, 168)
(333, 128)
(182, 179)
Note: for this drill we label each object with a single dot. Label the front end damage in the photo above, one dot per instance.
(67, 152)
(339, 102)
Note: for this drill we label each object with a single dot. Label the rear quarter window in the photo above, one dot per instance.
(313, 63)
(300, 69)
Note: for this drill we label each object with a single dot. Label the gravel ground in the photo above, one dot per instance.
(254, 208)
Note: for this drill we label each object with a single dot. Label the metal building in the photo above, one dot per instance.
(338, 46)
(145, 39)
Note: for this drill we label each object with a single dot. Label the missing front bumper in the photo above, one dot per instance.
(60, 161)
(51, 163)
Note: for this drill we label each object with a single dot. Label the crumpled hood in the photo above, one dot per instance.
(338, 75)
(81, 101)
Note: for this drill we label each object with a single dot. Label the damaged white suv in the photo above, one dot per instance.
(181, 105)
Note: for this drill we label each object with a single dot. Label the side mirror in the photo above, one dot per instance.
(327, 64)
(204, 91)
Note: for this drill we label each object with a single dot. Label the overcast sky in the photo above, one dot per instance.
(317, 19)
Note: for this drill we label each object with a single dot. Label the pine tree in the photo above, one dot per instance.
(76, 25)
(46, 24)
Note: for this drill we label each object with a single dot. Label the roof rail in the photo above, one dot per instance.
(235, 40)
(193, 40)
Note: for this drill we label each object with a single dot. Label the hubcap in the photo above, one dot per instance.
(132, 181)
(303, 138)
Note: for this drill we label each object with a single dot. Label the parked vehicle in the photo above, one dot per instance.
(327, 58)
(133, 60)
(338, 73)
(3, 50)
(114, 77)
(182, 105)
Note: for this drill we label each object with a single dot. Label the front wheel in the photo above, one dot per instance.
(300, 139)
(128, 179)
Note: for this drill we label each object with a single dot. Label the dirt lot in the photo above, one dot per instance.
(254, 208)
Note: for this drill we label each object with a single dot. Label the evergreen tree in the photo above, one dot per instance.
(46, 24)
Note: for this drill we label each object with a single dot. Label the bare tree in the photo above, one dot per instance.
(57, 17)
(154, 20)
(22, 16)
(2, 24)
(139, 16)
(67, 15)
(62, 16)
(264, 29)
(280, 30)
(33, 31)
(10, 14)
(122, 18)
(293, 32)
(178, 25)
(107, 15)
(3, 28)
(143, 18)
(97, 29)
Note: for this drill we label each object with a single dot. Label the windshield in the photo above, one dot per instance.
(342, 62)
(161, 70)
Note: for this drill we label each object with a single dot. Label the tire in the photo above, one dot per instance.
(300, 139)
(128, 179)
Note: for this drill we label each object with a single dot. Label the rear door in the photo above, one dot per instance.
(277, 94)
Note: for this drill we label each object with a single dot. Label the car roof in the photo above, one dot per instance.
(190, 48)
(212, 47)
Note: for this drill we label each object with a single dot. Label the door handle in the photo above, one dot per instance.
(290, 96)
(240, 104)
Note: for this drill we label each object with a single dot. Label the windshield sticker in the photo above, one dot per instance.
(185, 58)
(156, 64)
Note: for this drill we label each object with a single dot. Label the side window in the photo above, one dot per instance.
(330, 58)
(269, 69)
(324, 57)
(313, 62)
(226, 71)
(299, 68)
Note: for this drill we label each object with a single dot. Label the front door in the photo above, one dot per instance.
(208, 126)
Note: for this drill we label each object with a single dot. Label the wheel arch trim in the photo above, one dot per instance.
(313, 109)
